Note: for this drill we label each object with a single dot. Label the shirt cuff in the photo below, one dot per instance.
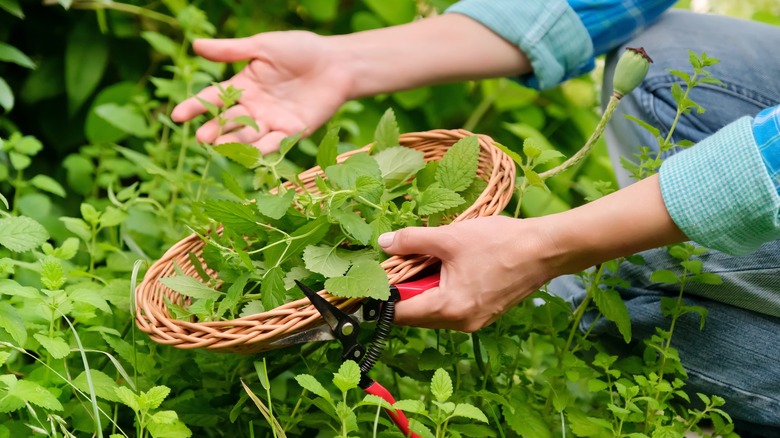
(766, 130)
(547, 31)
(719, 192)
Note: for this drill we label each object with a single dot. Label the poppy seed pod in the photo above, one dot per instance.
(630, 71)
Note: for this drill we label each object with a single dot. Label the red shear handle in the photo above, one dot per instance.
(414, 288)
(397, 416)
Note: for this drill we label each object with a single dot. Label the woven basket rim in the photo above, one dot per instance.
(255, 333)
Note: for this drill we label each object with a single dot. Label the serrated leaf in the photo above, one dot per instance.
(347, 377)
(441, 385)
(309, 234)
(458, 167)
(345, 175)
(230, 183)
(243, 154)
(21, 233)
(52, 274)
(177, 429)
(398, 164)
(469, 411)
(105, 386)
(611, 305)
(246, 121)
(272, 290)
(287, 143)
(311, 384)
(436, 199)
(12, 323)
(252, 308)
(369, 188)
(56, 347)
(68, 249)
(431, 359)
(328, 148)
(364, 279)
(547, 155)
(235, 216)
(583, 425)
(664, 276)
(153, 398)
(164, 417)
(353, 225)
(530, 149)
(188, 286)
(274, 206)
(410, 406)
(34, 393)
(386, 134)
(12, 288)
(234, 294)
(325, 260)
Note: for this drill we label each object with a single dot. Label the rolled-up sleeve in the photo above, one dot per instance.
(548, 31)
(723, 192)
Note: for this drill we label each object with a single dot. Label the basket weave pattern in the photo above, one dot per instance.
(255, 333)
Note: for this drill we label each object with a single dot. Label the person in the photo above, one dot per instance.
(723, 193)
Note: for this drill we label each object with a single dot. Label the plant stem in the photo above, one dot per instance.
(580, 311)
(614, 100)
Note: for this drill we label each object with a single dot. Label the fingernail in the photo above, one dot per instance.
(386, 239)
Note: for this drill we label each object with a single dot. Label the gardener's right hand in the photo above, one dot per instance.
(294, 82)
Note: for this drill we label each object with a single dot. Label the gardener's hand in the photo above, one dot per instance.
(488, 265)
(294, 82)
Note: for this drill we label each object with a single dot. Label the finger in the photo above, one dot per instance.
(192, 107)
(226, 50)
(247, 135)
(416, 240)
(211, 129)
(423, 310)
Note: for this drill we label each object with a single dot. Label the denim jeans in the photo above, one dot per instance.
(737, 354)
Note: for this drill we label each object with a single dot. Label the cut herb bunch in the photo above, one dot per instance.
(322, 232)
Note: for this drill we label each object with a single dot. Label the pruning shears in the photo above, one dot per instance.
(345, 328)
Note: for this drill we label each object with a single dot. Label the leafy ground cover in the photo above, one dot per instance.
(96, 179)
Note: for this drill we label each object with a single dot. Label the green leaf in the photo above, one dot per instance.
(458, 167)
(469, 411)
(441, 385)
(345, 175)
(188, 286)
(646, 126)
(613, 308)
(364, 279)
(112, 217)
(235, 216)
(311, 384)
(52, 274)
(243, 154)
(512, 154)
(664, 276)
(12, 323)
(78, 227)
(89, 213)
(48, 184)
(410, 406)
(347, 377)
(526, 421)
(328, 149)
(473, 430)
(309, 234)
(153, 398)
(708, 278)
(230, 183)
(252, 308)
(369, 188)
(272, 289)
(386, 134)
(530, 149)
(12, 288)
(547, 155)
(287, 143)
(234, 294)
(176, 429)
(104, 386)
(128, 398)
(127, 118)
(325, 260)
(10, 53)
(6, 96)
(19, 161)
(275, 206)
(31, 392)
(398, 164)
(583, 425)
(86, 58)
(353, 225)
(164, 417)
(12, 7)
(21, 233)
(161, 43)
(436, 199)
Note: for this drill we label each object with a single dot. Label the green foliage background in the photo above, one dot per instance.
(89, 152)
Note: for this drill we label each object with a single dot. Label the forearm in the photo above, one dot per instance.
(445, 48)
(622, 223)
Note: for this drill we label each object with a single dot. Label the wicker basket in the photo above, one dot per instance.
(255, 333)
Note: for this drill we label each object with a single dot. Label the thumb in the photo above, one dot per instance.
(414, 240)
(226, 50)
